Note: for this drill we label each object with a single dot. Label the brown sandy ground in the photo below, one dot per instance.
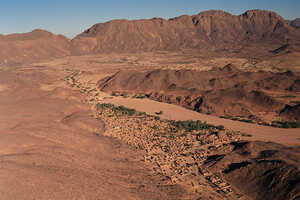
(71, 144)
(51, 146)
(86, 82)
(188, 157)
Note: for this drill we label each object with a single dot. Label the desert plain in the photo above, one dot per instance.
(195, 107)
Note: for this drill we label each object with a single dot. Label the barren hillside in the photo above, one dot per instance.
(256, 34)
(31, 47)
(214, 29)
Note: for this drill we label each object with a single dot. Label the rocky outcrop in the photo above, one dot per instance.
(291, 112)
(261, 170)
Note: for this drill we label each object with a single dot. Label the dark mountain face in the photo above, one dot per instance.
(210, 28)
(296, 23)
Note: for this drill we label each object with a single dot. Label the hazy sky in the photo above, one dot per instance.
(70, 17)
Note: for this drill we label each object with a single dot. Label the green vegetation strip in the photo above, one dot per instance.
(277, 124)
(286, 124)
(188, 125)
(119, 109)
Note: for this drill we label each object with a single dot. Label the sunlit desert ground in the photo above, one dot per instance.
(62, 139)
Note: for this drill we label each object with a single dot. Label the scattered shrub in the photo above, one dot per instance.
(142, 113)
(139, 96)
(190, 125)
(119, 109)
(237, 119)
(114, 94)
(288, 96)
(286, 124)
(246, 120)
(290, 124)
(225, 117)
(156, 118)
(159, 113)
(104, 105)
(124, 95)
(124, 110)
(220, 127)
(246, 135)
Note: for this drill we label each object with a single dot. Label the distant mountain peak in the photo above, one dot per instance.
(212, 27)
(214, 12)
(210, 30)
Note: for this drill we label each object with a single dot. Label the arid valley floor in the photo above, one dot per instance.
(159, 124)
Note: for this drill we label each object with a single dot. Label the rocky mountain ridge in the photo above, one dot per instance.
(209, 31)
(210, 28)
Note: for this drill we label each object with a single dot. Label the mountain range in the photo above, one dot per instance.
(212, 31)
